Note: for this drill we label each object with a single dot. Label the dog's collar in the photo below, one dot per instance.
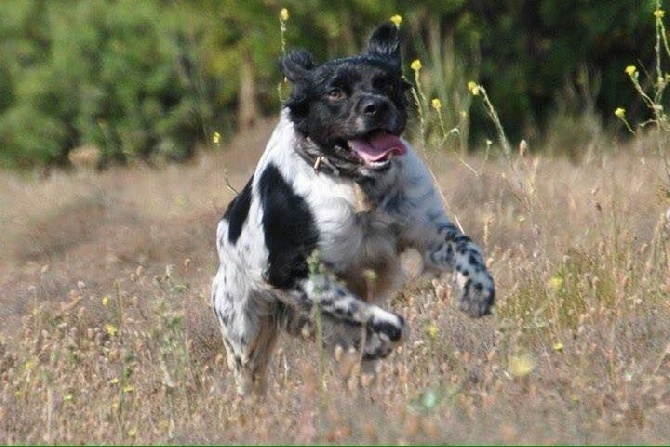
(321, 163)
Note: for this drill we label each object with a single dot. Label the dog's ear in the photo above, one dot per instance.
(296, 65)
(385, 41)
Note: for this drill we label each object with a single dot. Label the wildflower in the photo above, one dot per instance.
(558, 347)
(433, 331)
(620, 112)
(216, 138)
(631, 70)
(396, 19)
(105, 301)
(659, 13)
(111, 329)
(436, 103)
(283, 14)
(474, 88)
(128, 389)
(555, 283)
(521, 365)
(416, 65)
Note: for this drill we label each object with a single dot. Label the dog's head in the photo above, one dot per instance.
(351, 111)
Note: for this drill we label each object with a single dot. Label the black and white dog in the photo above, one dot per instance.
(297, 240)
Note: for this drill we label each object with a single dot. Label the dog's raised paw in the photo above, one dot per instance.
(389, 327)
(478, 293)
(382, 334)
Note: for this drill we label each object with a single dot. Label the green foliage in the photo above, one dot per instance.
(150, 79)
(115, 75)
(532, 49)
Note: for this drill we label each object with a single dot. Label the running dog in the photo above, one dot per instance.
(336, 197)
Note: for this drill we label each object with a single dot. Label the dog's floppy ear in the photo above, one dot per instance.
(385, 41)
(296, 65)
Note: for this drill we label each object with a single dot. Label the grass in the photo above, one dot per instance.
(107, 336)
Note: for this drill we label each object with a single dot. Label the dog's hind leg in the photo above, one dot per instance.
(249, 327)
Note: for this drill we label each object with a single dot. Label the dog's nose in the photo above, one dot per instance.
(373, 106)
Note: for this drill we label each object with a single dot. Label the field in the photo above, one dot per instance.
(106, 334)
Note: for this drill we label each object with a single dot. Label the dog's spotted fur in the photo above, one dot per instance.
(304, 198)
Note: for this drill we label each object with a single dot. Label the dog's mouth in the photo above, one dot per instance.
(377, 148)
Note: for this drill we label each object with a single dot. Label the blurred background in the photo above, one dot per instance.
(155, 79)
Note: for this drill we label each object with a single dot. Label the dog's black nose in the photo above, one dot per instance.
(373, 106)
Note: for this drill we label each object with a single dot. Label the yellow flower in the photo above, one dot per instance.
(521, 365)
(416, 65)
(436, 103)
(620, 112)
(216, 138)
(283, 15)
(556, 283)
(631, 70)
(433, 331)
(558, 347)
(111, 329)
(474, 88)
(396, 19)
(659, 13)
(105, 301)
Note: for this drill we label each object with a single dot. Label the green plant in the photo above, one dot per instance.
(652, 93)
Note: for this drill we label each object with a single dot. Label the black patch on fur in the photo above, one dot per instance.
(237, 212)
(290, 231)
(393, 333)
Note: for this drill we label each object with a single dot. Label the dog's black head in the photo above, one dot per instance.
(351, 111)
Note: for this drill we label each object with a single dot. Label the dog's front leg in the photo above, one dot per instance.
(409, 200)
(381, 330)
(456, 252)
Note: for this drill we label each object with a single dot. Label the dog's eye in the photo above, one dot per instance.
(335, 94)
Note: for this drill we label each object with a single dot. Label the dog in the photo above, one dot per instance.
(337, 195)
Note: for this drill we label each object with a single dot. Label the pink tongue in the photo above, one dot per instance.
(381, 145)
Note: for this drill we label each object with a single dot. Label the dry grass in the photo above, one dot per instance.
(107, 336)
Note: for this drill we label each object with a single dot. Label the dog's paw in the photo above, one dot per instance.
(382, 334)
(477, 292)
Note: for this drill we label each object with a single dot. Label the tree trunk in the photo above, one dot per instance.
(246, 112)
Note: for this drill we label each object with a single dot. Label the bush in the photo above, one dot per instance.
(115, 75)
(148, 79)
